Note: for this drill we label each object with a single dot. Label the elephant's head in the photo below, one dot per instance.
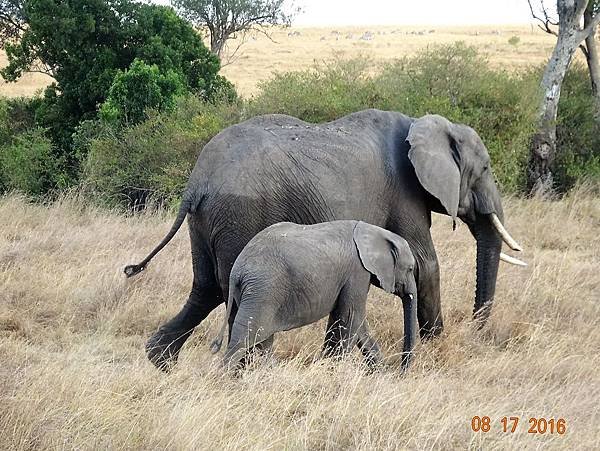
(388, 257)
(453, 165)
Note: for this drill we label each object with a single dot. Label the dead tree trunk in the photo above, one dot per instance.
(543, 143)
(591, 56)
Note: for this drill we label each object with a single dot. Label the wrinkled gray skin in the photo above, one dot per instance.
(292, 275)
(383, 168)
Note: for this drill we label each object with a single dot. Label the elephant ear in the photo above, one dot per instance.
(376, 253)
(434, 159)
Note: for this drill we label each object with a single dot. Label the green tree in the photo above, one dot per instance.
(83, 45)
(139, 88)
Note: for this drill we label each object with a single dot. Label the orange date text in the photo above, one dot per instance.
(511, 425)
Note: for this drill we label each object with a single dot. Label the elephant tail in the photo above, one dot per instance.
(215, 346)
(186, 206)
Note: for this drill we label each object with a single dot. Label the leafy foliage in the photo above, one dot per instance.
(85, 45)
(153, 158)
(27, 160)
(27, 164)
(578, 134)
(138, 88)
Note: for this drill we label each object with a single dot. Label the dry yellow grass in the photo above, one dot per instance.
(73, 372)
(261, 57)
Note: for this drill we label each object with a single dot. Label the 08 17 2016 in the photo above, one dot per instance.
(510, 424)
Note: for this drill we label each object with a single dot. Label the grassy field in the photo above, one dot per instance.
(74, 374)
(299, 48)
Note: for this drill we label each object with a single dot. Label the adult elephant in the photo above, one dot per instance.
(380, 167)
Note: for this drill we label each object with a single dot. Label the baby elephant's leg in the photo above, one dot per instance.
(347, 321)
(368, 346)
(266, 346)
(251, 329)
(332, 347)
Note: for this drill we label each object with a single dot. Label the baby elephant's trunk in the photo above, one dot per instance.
(215, 346)
(409, 304)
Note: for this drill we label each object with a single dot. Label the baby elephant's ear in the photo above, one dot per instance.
(376, 253)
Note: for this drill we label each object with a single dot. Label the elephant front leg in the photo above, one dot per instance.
(429, 310)
(332, 346)
(369, 347)
(347, 322)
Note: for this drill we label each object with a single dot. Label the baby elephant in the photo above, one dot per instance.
(291, 275)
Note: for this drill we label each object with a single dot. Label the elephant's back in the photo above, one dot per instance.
(299, 267)
(270, 143)
(301, 172)
(299, 249)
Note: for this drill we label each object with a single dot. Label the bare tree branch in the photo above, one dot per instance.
(225, 18)
(546, 21)
(591, 26)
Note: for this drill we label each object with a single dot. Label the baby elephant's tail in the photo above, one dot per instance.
(217, 342)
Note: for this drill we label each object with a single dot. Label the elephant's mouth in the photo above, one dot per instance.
(509, 240)
(469, 216)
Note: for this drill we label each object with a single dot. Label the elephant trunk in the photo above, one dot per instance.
(409, 305)
(489, 244)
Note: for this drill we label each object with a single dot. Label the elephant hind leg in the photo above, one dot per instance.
(250, 332)
(164, 345)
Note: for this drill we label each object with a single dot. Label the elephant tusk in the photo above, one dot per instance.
(511, 260)
(504, 234)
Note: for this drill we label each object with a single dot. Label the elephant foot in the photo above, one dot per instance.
(163, 348)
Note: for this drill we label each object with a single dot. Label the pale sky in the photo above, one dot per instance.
(412, 12)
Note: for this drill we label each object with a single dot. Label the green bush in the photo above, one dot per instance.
(578, 134)
(323, 93)
(452, 80)
(154, 158)
(27, 164)
(139, 88)
(16, 115)
(85, 44)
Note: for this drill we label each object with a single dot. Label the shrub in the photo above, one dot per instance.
(85, 44)
(514, 41)
(154, 158)
(578, 134)
(320, 94)
(16, 115)
(452, 80)
(139, 88)
(27, 164)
